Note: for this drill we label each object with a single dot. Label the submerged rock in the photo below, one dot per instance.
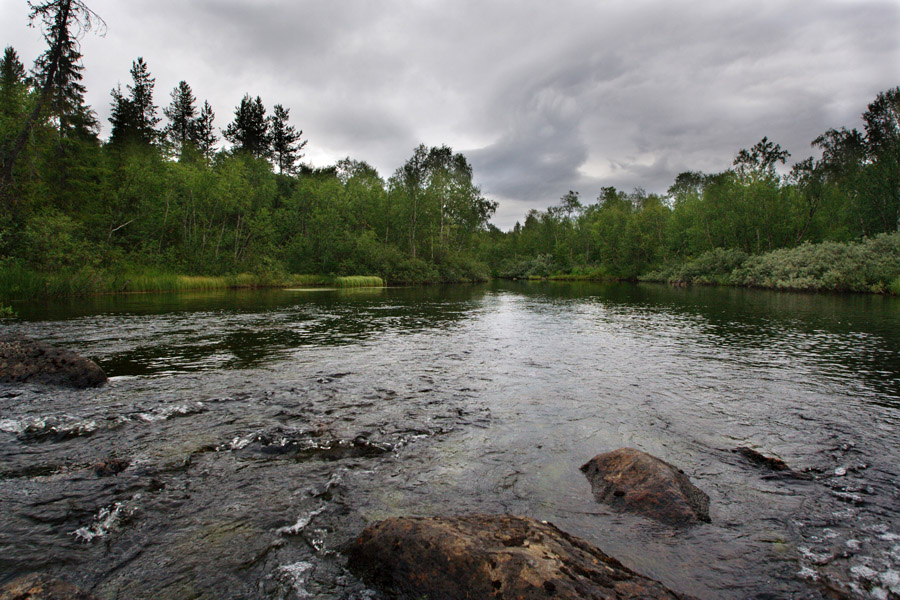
(490, 556)
(758, 458)
(23, 360)
(39, 586)
(111, 466)
(633, 481)
(778, 468)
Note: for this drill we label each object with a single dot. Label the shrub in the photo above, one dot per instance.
(870, 265)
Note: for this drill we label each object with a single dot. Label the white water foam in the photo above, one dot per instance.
(104, 522)
(300, 525)
(294, 575)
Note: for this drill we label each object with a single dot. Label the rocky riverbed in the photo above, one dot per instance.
(242, 445)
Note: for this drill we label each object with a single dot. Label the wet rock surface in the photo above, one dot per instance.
(23, 360)
(42, 587)
(633, 481)
(490, 556)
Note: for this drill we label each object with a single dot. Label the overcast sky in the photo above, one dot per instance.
(542, 97)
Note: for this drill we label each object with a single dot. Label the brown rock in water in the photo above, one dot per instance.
(111, 466)
(39, 586)
(24, 360)
(633, 481)
(758, 458)
(490, 556)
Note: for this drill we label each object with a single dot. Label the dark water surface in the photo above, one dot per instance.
(263, 430)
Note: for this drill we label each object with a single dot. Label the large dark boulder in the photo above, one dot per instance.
(490, 556)
(23, 360)
(39, 586)
(633, 481)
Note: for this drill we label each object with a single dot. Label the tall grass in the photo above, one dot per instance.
(17, 283)
(358, 281)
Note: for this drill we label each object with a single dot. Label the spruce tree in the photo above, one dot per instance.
(204, 132)
(141, 99)
(134, 117)
(122, 118)
(13, 86)
(182, 115)
(57, 73)
(286, 144)
(249, 132)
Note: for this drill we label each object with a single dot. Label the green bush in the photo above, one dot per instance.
(872, 265)
(537, 267)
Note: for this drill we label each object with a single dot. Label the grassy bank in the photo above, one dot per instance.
(17, 283)
(871, 265)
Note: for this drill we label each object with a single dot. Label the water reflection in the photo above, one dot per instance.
(241, 413)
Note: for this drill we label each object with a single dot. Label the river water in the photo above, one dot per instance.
(260, 431)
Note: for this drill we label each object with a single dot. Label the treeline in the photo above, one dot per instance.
(850, 193)
(159, 195)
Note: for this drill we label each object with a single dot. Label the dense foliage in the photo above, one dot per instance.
(160, 197)
(707, 225)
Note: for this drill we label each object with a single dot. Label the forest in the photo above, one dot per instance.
(163, 196)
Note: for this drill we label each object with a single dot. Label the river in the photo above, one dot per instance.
(262, 430)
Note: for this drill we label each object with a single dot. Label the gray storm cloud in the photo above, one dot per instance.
(542, 97)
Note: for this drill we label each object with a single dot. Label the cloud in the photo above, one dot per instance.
(542, 97)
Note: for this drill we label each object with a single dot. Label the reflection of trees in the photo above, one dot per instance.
(861, 333)
(238, 330)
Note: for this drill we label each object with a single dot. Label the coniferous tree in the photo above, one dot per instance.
(249, 132)
(141, 98)
(286, 143)
(13, 87)
(57, 73)
(182, 115)
(204, 132)
(134, 117)
(121, 117)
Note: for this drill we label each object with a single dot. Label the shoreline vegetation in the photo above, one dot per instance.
(868, 266)
(162, 205)
(21, 284)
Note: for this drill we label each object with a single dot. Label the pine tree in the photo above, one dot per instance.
(285, 147)
(204, 132)
(249, 132)
(182, 115)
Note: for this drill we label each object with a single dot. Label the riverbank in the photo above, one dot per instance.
(868, 266)
(871, 265)
(17, 284)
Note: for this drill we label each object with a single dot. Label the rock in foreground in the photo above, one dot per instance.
(28, 361)
(633, 481)
(42, 587)
(490, 556)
